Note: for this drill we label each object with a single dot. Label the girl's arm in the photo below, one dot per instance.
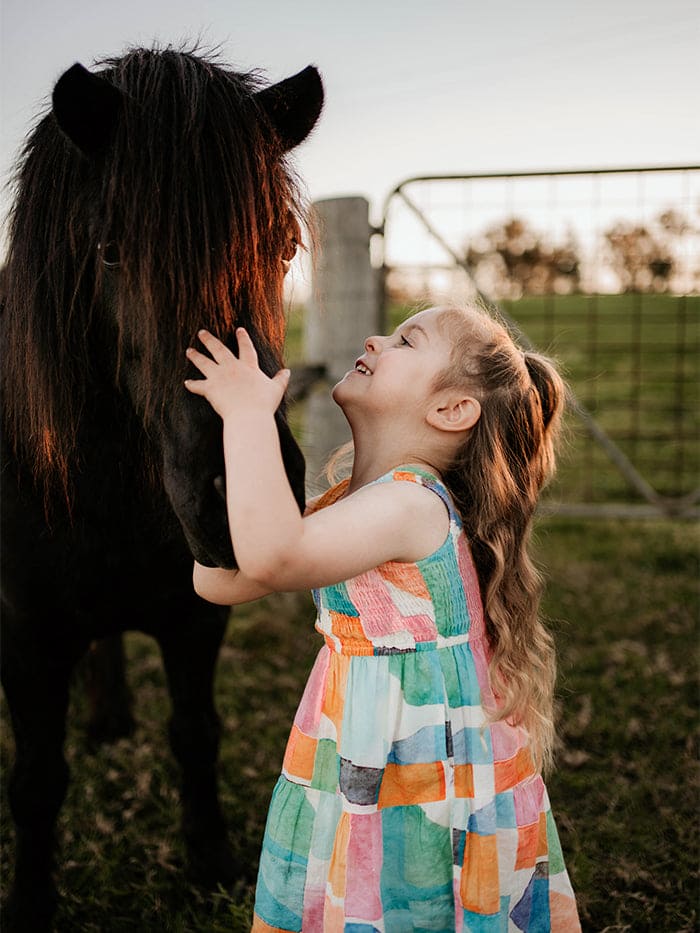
(275, 546)
(225, 587)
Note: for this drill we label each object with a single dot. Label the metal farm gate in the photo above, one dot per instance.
(600, 269)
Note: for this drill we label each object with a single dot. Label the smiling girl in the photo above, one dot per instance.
(411, 795)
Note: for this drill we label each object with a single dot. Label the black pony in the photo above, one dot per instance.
(154, 199)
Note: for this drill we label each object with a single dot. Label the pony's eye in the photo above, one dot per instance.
(290, 249)
(109, 254)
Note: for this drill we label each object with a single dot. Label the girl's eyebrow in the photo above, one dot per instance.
(409, 328)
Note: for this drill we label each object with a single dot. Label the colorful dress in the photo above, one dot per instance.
(399, 807)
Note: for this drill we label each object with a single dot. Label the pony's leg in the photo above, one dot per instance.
(37, 698)
(189, 655)
(108, 693)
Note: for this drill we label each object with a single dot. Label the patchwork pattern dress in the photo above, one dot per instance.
(399, 807)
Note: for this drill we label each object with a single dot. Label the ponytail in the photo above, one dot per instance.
(547, 384)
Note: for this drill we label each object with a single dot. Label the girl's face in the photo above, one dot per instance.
(396, 374)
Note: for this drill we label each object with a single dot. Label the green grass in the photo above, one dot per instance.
(623, 600)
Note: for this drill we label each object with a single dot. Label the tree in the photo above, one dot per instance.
(511, 259)
(641, 255)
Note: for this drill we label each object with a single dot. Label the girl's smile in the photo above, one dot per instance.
(362, 369)
(399, 368)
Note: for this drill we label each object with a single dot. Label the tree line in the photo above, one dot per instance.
(512, 258)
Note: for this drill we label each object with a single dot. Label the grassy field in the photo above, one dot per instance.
(623, 600)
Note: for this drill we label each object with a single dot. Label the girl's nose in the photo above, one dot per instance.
(372, 344)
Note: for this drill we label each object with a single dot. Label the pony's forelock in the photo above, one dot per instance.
(209, 191)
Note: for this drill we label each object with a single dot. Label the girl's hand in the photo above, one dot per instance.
(235, 385)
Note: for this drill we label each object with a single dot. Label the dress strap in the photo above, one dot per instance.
(412, 473)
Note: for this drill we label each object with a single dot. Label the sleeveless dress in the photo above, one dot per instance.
(399, 809)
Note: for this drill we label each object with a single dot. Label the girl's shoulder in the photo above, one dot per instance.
(393, 480)
(421, 476)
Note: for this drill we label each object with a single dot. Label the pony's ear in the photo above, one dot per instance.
(86, 108)
(294, 105)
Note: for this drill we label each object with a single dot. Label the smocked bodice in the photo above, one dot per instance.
(402, 606)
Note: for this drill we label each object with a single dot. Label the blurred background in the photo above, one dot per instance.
(545, 157)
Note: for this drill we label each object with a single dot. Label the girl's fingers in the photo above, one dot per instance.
(195, 386)
(246, 350)
(218, 350)
(203, 363)
(222, 363)
(221, 353)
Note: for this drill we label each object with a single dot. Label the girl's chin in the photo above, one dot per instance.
(338, 393)
(340, 388)
(342, 393)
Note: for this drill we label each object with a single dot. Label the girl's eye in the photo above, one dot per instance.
(404, 342)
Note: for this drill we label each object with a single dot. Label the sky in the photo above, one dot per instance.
(411, 87)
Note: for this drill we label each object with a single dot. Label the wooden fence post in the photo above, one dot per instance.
(343, 309)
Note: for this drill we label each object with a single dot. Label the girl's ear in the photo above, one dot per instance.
(454, 413)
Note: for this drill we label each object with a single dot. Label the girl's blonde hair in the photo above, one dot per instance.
(495, 480)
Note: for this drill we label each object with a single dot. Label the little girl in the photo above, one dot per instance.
(410, 797)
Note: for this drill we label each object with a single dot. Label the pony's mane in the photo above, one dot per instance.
(195, 196)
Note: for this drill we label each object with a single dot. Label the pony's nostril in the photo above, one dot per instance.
(220, 486)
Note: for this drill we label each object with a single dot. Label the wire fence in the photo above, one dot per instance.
(600, 269)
